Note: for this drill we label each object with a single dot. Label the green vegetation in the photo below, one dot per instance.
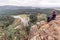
(41, 17)
(33, 18)
(8, 23)
(5, 21)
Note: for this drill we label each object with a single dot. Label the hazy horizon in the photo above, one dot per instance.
(33, 3)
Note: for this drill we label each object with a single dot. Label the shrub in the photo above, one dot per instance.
(5, 21)
(33, 18)
(41, 17)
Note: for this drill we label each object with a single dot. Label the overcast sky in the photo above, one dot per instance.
(34, 3)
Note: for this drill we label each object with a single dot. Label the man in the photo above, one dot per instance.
(52, 17)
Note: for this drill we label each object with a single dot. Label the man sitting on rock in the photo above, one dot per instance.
(52, 17)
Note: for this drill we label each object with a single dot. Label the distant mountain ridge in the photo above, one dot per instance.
(8, 9)
(16, 7)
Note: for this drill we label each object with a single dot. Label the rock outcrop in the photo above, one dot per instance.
(48, 31)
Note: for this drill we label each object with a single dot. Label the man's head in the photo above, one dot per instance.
(53, 12)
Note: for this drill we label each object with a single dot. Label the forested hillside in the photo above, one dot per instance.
(15, 10)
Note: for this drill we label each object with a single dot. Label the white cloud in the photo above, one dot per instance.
(37, 3)
(49, 3)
